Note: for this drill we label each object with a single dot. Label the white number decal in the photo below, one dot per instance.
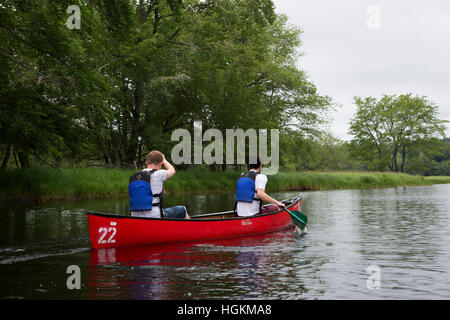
(113, 230)
(104, 232)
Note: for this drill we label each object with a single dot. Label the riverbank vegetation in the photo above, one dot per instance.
(98, 183)
(430, 157)
(92, 101)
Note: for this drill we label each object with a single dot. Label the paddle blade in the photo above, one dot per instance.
(299, 219)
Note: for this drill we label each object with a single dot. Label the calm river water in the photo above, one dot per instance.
(363, 244)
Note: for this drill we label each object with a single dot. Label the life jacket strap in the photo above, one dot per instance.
(160, 204)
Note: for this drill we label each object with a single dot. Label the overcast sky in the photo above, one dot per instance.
(369, 48)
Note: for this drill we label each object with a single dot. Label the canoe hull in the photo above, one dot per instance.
(108, 231)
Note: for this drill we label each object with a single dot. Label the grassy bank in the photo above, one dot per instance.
(91, 183)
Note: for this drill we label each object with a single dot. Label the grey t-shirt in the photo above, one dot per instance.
(156, 182)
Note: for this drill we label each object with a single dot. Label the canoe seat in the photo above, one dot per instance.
(217, 216)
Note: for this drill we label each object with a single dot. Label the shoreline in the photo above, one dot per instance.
(45, 185)
(44, 199)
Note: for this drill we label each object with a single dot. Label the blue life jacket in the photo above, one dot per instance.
(245, 188)
(140, 191)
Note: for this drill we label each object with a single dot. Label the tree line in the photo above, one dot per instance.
(398, 133)
(135, 71)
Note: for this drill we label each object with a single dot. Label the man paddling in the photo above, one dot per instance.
(146, 190)
(250, 192)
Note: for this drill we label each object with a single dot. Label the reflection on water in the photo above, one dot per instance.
(238, 268)
(404, 231)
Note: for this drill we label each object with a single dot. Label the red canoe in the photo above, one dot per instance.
(110, 230)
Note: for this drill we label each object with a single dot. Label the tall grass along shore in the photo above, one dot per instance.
(92, 183)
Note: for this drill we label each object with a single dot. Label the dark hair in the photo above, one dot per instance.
(252, 164)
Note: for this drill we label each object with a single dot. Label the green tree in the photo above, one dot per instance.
(392, 125)
(429, 158)
(50, 77)
(137, 70)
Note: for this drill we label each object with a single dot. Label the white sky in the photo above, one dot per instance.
(409, 53)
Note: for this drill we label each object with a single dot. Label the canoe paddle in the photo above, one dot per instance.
(298, 218)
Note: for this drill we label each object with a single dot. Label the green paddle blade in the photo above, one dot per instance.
(298, 218)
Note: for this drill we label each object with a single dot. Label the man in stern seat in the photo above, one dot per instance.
(250, 192)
